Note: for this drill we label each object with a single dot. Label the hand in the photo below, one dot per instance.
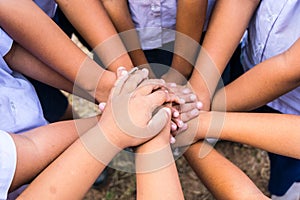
(187, 110)
(127, 118)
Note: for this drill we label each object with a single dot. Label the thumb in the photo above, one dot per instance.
(159, 120)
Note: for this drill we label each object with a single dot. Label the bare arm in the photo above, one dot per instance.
(74, 171)
(277, 133)
(226, 27)
(35, 31)
(42, 145)
(20, 60)
(223, 179)
(154, 162)
(263, 83)
(92, 22)
(119, 13)
(189, 24)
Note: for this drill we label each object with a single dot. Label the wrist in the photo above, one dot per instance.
(99, 145)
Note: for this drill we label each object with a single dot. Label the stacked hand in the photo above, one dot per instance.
(141, 106)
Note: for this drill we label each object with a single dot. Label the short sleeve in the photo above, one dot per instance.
(5, 43)
(8, 161)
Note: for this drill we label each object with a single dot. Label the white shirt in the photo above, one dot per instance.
(273, 29)
(8, 162)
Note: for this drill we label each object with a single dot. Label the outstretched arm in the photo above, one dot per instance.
(189, 26)
(30, 27)
(276, 133)
(226, 27)
(20, 60)
(93, 23)
(222, 178)
(154, 162)
(263, 83)
(74, 171)
(44, 144)
(119, 13)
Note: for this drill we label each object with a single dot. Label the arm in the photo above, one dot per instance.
(154, 162)
(70, 176)
(43, 39)
(189, 24)
(20, 60)
(222, 178)
(119, 13)
(276, 133)
(283, 75)
(42, 145)
(93, 23)
(226, 27)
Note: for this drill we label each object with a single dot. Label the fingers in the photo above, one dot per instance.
(159, 120)
(187, 116)
(122, 75)
(135, 78)
(157, 98)
(188, 106)
(147, 86)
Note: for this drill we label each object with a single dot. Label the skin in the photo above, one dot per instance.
(81, 170)
(226, 27)
(97, 29)
(56, 50)
(228, 182)
(188, 29)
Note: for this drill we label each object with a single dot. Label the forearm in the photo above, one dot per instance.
(263, 83)
(97, 29)
(189, 24)
(277, 133)
(20, 60)
(220, 176)
(226, 27)
(74, 171)
(42, 145)
(119, 13)
(157, 163)
(54, 49)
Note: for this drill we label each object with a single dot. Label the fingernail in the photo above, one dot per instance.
(102, 106)
(181, 101)
(173, 84)
(172, 140)
(175, 114)
(193, 97)
(121, 68)
(199, 105)
(195, 112)
(168, 111)
(186, 91)
(173, 127)
(180, 124)
(124, 73)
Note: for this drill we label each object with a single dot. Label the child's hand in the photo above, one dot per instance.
(186, 111)
(127, 118)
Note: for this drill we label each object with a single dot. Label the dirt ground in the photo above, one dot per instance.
(121, 185)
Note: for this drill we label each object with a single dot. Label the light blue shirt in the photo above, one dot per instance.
(20, 109)
(155, 20)
(273, 29)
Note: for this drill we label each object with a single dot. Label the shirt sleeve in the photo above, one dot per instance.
(8, 161)
(5, 43)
